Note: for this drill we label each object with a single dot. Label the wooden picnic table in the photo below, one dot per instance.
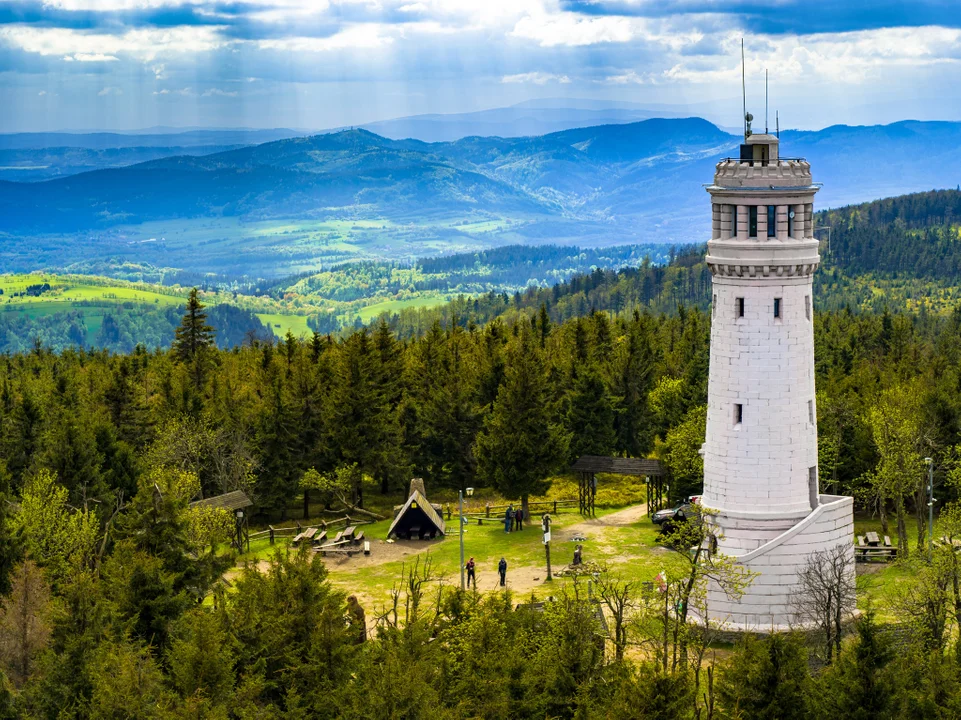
(869, 547)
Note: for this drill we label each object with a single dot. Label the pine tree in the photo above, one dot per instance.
(633, 379)
(520, 445)
(766, 679)
(590, 416)
(860, 685)
(194, 334)
(193, 339)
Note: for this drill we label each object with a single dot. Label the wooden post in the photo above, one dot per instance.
(555, 507)
(488, 509)
(271, 534)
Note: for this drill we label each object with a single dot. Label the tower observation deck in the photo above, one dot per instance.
(760, 453)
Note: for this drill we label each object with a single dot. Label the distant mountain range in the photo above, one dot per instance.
(596, 186)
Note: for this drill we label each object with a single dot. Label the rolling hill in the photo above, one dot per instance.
(594, 186)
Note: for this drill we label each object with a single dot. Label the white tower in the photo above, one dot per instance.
(761, 450)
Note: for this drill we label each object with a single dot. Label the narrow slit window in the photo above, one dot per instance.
(777, 307)
(752, 221)
(738, 413)
(807, 306)
(714, 306)
(790, 222)
(772, 220)
(733, 220)
(811, 411)
(813, 486)
(739, 307)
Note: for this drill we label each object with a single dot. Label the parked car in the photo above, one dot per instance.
(678, 513)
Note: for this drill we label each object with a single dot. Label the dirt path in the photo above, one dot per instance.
(525, 579)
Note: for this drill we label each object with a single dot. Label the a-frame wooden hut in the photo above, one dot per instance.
(416, 519)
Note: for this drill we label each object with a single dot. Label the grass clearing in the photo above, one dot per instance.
(279, 324)
(372, 312)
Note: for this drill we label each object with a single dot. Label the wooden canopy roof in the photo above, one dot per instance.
(618, 466)
(416, 507)
(236, 500)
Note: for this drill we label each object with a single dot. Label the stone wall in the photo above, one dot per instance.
(767, 603)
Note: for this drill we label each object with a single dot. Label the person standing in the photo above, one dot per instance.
(519, 519)
(471, 578)
(508, 518)
(502, 571)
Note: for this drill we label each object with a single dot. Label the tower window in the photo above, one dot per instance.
(714, 306)
(739, 307)
(777, 307)
(752, 221)
(811, 411)
(813, 486)
(772, 221)
(807, 306)
(790, 222)
(733, 220)
(738, 413)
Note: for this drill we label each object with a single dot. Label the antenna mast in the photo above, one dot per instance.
(765, 101)
(743, 91)
(777, 125)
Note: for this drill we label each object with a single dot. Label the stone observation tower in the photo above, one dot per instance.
(761, 450)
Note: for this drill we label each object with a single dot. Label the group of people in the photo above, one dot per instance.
(471, 568)
(513, 519)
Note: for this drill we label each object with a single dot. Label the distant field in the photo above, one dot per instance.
(371, 312)
(279, 324)
(259, 248)
(73, 289)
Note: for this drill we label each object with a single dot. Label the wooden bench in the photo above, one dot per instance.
(349, 531)
(414, 532)
(307, 534)
(338, 538)
(321, 538)
(358, 538)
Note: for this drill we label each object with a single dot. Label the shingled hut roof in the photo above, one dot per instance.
(415, 512)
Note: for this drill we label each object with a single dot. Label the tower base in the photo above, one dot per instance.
(776, 549)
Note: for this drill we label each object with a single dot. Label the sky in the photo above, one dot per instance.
(315, 64)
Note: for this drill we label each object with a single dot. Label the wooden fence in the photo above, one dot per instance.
(496, 512)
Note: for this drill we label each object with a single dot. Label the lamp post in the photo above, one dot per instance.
(546, 527)
(930, 464)
(460, 520)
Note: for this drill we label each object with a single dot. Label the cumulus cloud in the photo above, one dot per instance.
(110, 90)
(537, 78)
(483, 49)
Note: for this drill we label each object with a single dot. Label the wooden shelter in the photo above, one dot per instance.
(588, 466)
(417, 519)
(236, 503)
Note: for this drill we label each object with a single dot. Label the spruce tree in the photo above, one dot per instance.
(520, 445)
(193, 338)
(766, 679)
(193, 334)
(590, 416)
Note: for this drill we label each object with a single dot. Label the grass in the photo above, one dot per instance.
(280, 323)
(630, 549)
